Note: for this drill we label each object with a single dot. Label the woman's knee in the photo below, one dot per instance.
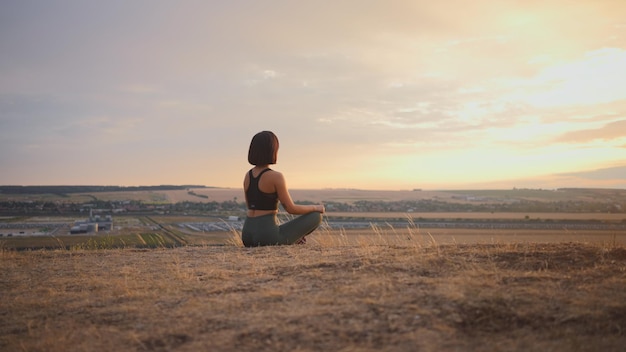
(315, 217)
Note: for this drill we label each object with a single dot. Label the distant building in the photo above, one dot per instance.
(93, 224)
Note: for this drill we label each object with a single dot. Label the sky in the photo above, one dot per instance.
(387, 95)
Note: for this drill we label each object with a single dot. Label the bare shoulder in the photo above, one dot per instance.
(275, 175)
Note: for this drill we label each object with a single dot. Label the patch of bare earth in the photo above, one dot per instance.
(541, 297)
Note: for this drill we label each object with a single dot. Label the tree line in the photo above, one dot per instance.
(64, 190)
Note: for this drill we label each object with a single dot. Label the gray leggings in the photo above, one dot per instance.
(265, 230)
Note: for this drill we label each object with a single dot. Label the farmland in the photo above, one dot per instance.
(153, 217)
(166, 231)
(209, 194)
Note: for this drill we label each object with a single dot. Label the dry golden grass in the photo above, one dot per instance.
(340, 292)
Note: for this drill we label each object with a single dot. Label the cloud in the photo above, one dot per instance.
(610, 131)
(609, 173)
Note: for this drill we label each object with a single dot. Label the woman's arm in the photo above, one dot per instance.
(285, 198)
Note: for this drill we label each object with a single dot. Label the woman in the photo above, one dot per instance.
(264, 188)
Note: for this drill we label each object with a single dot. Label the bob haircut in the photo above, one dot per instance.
(263, 148)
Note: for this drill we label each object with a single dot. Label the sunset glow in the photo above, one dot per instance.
(372, 95)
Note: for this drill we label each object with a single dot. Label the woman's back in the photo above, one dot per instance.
(260, 192)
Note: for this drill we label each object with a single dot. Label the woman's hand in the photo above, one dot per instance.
(320, 208)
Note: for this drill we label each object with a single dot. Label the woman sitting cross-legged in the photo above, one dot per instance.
(264, 188)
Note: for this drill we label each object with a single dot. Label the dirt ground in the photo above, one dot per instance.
(322, 296)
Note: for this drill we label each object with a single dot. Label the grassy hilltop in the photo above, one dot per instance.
(326, 295)
(152, 285)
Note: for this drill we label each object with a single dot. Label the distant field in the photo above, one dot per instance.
(143, 196)
(461, 196)
(166, 231)
(313, 195)
(570, 194)
(336, 195)
(613, 217)
(226, 194)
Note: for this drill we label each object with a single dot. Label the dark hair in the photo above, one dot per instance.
(263, 148)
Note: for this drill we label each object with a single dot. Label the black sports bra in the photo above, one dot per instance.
(257, 199)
